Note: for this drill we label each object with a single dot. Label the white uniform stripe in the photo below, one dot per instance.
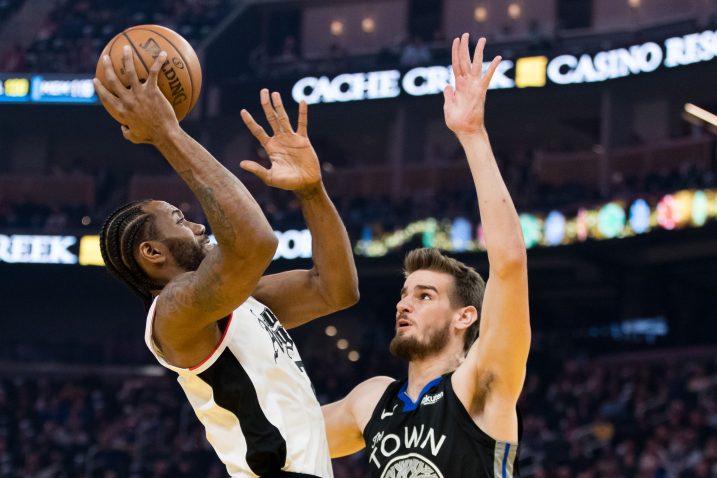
(498, 460)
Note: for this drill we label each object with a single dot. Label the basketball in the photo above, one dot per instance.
(180, 79)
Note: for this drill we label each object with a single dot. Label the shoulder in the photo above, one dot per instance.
(373, 386)
(365, 397)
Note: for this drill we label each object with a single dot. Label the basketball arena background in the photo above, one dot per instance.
(601, 120)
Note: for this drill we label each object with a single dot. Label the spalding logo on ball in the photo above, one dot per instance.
(181, 77)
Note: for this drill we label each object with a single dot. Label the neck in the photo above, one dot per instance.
(422, 371)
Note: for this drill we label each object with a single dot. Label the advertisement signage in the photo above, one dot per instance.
(47, 89)
(85, 250)
(524, 72)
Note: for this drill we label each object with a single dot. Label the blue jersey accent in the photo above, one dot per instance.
(408, 404)
(505, 458)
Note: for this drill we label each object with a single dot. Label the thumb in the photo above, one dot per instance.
(257, 169)
(128, 134)
(448, 94)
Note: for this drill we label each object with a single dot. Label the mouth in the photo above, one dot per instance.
(403, 324)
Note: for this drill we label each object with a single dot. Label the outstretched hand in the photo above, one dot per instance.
(141, 108)
(294, 164)
(464, 106)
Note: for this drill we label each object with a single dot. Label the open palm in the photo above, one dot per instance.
(464, 106)
(294, 164)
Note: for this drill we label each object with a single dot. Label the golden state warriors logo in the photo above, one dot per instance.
(412, 465)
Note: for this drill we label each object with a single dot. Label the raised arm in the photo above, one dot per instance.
(246, 242)
(496, 363)
(299, 296)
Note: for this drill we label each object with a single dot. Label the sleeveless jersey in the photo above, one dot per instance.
(254, 398)
(434, 437)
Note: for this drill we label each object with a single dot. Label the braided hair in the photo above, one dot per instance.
(121, 233)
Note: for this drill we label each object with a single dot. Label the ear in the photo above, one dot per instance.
(152, 252)
(466, 317)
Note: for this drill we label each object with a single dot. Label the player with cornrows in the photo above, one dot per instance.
(213, 317)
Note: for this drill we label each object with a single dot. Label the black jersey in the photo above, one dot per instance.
(434, 437)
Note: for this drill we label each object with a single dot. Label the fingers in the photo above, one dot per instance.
(113, 83)
(256, 130)
(454, 57)
(303, 119)
(106, 96)
(156, 67)
(478, 57)
(281, 112)
(128, 64)
(485, 81)
(255, 168)
(269, 111)
(464, 56)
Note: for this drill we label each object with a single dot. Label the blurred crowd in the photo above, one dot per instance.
(584, 419)
(616, 419)
(74, 32)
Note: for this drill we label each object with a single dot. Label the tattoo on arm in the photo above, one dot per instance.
(221, 225)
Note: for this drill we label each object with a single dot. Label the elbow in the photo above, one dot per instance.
(345, 298)
(266, 245)
(352, 296)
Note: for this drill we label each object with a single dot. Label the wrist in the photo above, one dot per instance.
(167, 134)
(469, 137)
(310, 191)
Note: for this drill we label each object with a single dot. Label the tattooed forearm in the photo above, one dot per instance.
(222, 227)
(230, 272)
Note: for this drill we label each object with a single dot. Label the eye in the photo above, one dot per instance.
(425, 296)
(181, 220)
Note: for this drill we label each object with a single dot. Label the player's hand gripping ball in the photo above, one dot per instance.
(180, 79)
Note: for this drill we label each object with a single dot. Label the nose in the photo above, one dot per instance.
(198, 229)
(403, 305)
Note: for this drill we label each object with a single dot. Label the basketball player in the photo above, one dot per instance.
(213, 319)
(455, 416)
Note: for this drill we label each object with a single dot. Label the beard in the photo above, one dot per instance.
(410, 348)
(188, 254)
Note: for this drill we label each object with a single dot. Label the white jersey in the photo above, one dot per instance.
(254, 398)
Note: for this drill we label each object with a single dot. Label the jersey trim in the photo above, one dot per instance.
(157, 352)
(408, 404)
(219, 344)
(504, 458)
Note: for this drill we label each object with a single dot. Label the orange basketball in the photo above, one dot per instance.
(180, 79)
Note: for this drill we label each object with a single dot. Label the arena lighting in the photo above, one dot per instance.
(354, 356)
(337, 28)
(634, 3)
(368, 25)
(613, 220)
(480, 14)
(330, 330)
(699, 116)
(342, 344)
(514, 11)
